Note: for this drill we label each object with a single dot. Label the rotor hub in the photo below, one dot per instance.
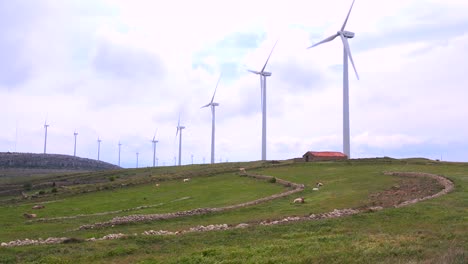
(347, 34)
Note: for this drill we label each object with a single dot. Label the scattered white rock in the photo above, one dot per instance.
(242, 225)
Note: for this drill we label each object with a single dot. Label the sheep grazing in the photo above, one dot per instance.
(157, 185)
(26, 215)
(299, 200)
(319, 184)
(242, 171)
(186, 180)
(38, 206)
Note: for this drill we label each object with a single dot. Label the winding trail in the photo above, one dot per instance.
(447, 184)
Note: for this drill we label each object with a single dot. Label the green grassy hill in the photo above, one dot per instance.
(432, 231)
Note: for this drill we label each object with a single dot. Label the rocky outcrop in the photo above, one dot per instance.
(51, 161)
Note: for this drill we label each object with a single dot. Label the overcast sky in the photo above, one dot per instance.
(119, 70)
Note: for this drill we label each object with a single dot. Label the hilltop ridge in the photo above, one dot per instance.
(10, 160)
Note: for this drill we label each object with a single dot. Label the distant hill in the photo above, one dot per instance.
(10, 160)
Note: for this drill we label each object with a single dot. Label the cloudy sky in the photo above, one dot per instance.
(120, 70)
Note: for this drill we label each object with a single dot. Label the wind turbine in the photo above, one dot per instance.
(344, 35)
(120, 144)
(179, 128)
(99, 147)
(154, 141)
(137, 159)
(45, 138)
(74, 149)
(263, 74)
(213, 105)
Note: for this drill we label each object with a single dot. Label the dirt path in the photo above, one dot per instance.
(412, 187)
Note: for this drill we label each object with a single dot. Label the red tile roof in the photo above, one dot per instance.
(326, 154)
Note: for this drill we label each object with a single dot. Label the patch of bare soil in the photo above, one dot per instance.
(407, 188)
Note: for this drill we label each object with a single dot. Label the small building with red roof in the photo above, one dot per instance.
(323, 156)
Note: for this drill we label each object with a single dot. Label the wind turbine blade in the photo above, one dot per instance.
(216, 88)
(256, 72)
(348, 51)
(346, 20)
(330, 38)
(206, 105)
(264, 66)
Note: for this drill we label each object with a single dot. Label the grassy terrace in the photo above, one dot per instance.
(433, 231)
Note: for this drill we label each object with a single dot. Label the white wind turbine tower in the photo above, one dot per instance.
(74, 149)
(213, 105)
(154, 141)
(179, 128)
(344, 35)
(120, 144)
(99, 148)
(45, 137)
(263, 74)
(137, 159)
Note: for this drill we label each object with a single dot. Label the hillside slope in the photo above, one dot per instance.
(51, 161)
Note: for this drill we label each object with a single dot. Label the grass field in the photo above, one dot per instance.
(433, 231)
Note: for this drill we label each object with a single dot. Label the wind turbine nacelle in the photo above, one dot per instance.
(266, 73)
(348, 34)
(214, 104)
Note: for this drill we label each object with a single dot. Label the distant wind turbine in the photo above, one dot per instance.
(120, 144)
(74, 148)
(154, 141)
(99, 148)
(137, 159)
(263, 74)
(16, 135)
(179, 128)
(45, 138)
(213, 105)
(344, 35)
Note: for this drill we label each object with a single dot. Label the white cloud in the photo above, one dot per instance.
(119, 70)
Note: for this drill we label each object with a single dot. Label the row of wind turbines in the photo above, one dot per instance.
(75, 134)
(342, 33)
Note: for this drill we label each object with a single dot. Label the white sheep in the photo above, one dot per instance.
(299, 200)
(186, 179)
(242, 170)
(157, 185)
(319, 184)
(26, 215)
